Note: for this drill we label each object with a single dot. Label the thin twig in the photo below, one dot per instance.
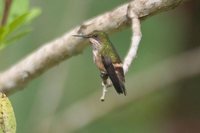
(7, 5)
(136, 37)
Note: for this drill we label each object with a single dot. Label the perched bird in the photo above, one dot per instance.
(107, 60)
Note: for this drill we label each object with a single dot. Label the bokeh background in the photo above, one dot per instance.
(75, 84)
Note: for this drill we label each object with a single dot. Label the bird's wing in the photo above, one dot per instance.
(117, 82)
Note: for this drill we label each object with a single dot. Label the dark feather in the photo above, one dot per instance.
(120, 74)
(117, 82)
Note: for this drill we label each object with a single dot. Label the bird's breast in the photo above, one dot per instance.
(97, 60)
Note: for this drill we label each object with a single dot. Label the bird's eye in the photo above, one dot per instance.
(95, 35)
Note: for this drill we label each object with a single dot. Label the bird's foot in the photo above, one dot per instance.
(103, 92)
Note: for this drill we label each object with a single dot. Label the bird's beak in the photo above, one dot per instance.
(83, 36)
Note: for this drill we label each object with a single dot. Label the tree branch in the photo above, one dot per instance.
(66, 46)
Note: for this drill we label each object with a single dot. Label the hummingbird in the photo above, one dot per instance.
(107, 60)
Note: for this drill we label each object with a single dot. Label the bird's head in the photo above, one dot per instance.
(96, 38)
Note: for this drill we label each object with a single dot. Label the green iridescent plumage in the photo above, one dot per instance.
(108, 48)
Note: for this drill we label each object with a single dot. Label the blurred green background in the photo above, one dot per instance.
(165, 35)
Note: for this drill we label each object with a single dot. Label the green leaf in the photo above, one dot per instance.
(17, 36)
(33, 13)
(8, 29)
(14, 38)
(7, 116)
(18, 17)
(23, 19)
(19, 21)
(18, 7)
(3, 32)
